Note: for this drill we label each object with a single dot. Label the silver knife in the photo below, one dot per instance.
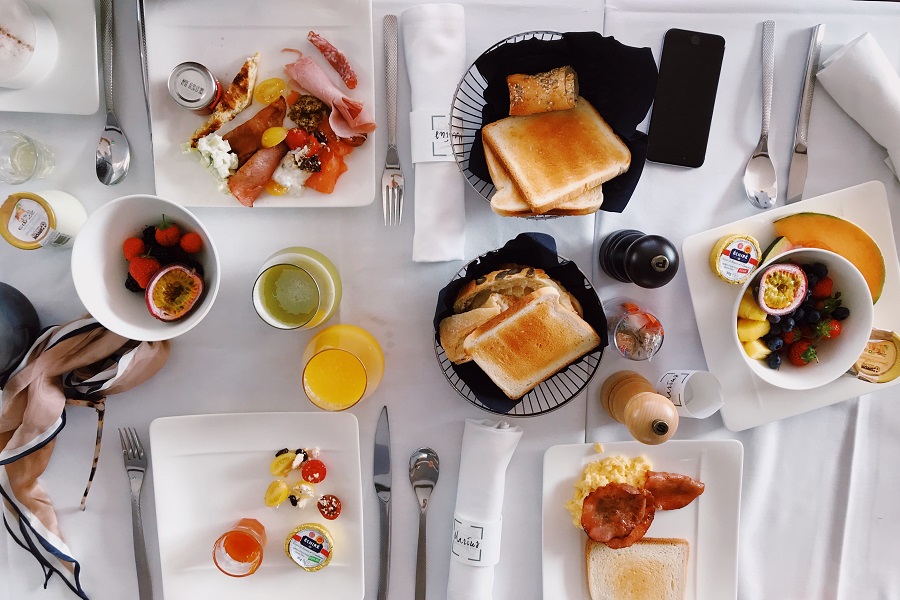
(800, 159)
(142, 47)
(382, 469)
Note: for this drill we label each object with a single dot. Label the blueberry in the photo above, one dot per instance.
(788, 324)
(775, 328)
(775, 344)
(773, 319)
(811, 279)
(820, 270)
(774, 361)
(798, 315)
(813, 316)
(840, 313)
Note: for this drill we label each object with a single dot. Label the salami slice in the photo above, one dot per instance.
(335, 58)
(613, 511)
(672, 490)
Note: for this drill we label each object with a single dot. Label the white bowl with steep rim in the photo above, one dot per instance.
(835, 356)
(99, 268)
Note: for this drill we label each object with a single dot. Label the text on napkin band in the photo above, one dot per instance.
(429, 133)
(476, 543)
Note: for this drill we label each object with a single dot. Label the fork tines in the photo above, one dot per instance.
(132, 449)
(392, 197)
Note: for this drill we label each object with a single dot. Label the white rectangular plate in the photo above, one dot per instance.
(750, 401)
(72, 87)
(709, 524)
(210, 471)
(221, 34)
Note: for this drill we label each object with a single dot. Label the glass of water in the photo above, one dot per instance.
(23, 158)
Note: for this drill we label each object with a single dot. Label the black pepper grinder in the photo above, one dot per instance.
(629, 255)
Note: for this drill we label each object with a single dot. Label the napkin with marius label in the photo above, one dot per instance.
(862, 81)
(487, 448)
(434, 44)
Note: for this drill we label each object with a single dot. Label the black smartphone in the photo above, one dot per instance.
(685, 97)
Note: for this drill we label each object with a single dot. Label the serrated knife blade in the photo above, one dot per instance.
(800, 157)
(382, 479)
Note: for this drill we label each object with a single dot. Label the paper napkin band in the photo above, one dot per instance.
(429, 132)
(476, 543)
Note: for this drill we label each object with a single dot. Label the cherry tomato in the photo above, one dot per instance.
(329, 506)
(296, 138)
(276, 189)
(313, 471)
(269, 91)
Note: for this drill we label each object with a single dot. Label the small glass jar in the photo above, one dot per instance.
(194, 87)
(31, 221)
(239, 551)
(636, 333)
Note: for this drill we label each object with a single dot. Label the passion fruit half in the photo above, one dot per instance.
(782, 288)
(173, 292)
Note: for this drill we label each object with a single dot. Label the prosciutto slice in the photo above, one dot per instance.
(348, 117)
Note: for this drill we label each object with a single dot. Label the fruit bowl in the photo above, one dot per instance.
(833, 356)
(99, 268)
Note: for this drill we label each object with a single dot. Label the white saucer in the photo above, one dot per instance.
(72, 87)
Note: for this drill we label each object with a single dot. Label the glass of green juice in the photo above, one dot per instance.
(297, 288)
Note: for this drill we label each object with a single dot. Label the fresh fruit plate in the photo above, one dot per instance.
(210, 471)
(205, 32)
(709, 524)
(750, 401)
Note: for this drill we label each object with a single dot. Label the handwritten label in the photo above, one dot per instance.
(476, 543)
(430, 139)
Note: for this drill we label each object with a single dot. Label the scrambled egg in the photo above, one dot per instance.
(612, 469)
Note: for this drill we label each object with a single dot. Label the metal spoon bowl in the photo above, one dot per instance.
(424, 466)
(113, 153)
(760, 181)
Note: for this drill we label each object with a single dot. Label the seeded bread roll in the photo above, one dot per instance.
(556, 89)
(516, 281)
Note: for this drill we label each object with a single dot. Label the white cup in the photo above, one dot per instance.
(695, 394)
(28, 44)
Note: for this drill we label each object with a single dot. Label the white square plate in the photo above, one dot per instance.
(221, 34)
(210, 471)
(709, 524)
(750, 401)
(73, 86)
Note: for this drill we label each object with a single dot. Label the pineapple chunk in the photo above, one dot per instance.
(749, 330)
(749, 308)
(756, 349)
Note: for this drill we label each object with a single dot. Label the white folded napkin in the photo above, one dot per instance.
(862, 81)
(487, 448)
(434, 43)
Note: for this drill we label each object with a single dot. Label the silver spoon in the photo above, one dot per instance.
(759, 176)
(423, 475)
(113, 154)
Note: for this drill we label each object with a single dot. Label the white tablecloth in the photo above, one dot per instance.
(815, 520)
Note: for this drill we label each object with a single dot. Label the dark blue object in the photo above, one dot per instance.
(19, 327)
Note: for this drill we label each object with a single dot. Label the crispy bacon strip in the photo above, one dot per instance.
(638, 532)
(672, 491)
(613, 511)
(335, 58)
(348, 117)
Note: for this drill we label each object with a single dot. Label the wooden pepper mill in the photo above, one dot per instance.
(630, 398)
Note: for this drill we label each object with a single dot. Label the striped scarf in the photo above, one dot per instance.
(80, 359)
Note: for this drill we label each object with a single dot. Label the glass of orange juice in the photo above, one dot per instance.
(344, 364)
(239, 551)
(297, 288)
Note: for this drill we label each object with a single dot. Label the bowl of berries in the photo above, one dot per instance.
(803, 319)
(145, 268)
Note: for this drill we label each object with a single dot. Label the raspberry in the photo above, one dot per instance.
(143, 268)
(191, 242)
(167, 234)
(133, 247)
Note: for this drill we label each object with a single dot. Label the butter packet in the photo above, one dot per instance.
(880, 361)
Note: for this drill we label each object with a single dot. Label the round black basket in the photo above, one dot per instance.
(547, 396)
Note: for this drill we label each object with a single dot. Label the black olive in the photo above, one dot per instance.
(293, 500)
(282, 451)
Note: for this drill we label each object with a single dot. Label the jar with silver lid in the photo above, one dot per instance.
(194, 87)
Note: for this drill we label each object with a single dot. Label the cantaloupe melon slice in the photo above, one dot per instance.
(828, 232)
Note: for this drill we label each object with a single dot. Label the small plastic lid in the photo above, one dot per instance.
(192, 85)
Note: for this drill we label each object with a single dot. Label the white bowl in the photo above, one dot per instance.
(29, 53)
(99, 268)
(835, 356)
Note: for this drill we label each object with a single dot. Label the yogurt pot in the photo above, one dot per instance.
(31, 221)
(28, 44)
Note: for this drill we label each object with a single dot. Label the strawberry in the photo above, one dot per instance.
(191, 242)
(828, 328)
(143, 268)
(167, 234)
(132, 247)
(801, 353)
(788, 337)
(823, 288)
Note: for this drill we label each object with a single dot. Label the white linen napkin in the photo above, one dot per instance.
(862, 81)
(434, 44)
(487, 448)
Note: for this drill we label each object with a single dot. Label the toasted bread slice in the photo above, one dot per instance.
(650, 568)
(235, 99)
(529, 342)
(550, 158)
(454, 329)
(512, 204)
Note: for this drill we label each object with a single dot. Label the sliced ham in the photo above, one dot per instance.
(249, 181)
(348, 117)
(246, 139)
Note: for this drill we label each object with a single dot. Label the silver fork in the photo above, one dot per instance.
(136, 465)
(392, 179)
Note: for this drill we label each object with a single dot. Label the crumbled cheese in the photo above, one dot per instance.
(217, 157)
(289, 174)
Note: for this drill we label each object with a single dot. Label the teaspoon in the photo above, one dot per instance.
(423, 475)
(759, 176)
(113, 154)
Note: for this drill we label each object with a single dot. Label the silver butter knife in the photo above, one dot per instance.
(382, 469)
(800, 158)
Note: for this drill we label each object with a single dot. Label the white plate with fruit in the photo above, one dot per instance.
(855, 223)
